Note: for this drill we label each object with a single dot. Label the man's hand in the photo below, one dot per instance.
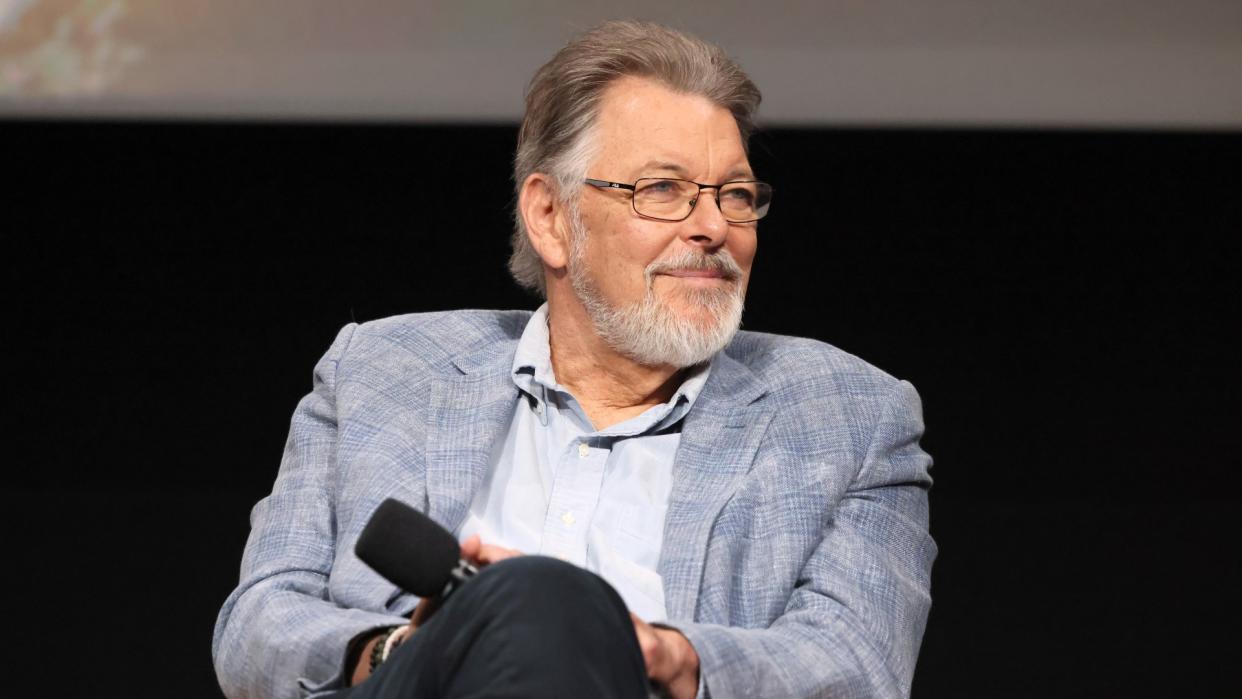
(473, 551)
(671, 660)
(481, 554)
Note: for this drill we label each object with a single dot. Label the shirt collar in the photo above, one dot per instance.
(532, 365)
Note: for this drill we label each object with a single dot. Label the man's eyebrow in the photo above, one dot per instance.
(665, 165)
(737, 173)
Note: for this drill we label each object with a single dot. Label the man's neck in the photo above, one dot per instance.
(610, 386)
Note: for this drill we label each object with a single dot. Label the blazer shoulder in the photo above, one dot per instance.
(818, 389)
(434, 338)
(791, 364)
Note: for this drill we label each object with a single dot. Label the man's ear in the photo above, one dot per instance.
(544, 217)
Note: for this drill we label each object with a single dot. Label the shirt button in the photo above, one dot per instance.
(583, 450)
(568, 518)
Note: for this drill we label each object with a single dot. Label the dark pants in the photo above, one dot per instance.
(530, 626)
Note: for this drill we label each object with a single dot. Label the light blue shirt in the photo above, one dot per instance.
(596, 498)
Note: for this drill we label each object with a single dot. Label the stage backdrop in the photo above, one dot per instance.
(1064, 301)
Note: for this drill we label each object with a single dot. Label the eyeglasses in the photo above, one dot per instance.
(669, 199)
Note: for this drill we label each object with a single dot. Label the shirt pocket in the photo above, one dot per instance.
(643, 524)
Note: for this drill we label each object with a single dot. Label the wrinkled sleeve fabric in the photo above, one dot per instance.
(854, 623)
(279, 634)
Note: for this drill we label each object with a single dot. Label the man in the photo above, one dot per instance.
(754, 506)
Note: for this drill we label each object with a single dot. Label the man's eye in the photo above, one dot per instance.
(659, 187)
(659, 192)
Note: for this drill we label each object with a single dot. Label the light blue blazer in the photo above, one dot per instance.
(796, 552)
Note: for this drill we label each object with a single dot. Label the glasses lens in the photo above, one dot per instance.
(664, 198)
(672, 199)
(745, 201)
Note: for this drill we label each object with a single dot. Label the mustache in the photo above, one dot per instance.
(720, 262)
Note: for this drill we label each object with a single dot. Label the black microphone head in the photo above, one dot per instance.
(408, 548)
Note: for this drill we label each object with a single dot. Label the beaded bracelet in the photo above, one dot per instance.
(379, 652)
(394, 639)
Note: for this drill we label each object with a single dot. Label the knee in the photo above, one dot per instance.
(535, 626)
(546, 586)
(539, 573)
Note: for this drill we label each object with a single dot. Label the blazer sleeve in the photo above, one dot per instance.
(278, 633)
(853, 626)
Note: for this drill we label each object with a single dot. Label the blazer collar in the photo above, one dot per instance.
(719, 441)
(486, 357)
(733, 383)
(468, 415)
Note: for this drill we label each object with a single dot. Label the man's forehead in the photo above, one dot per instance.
(652, 127)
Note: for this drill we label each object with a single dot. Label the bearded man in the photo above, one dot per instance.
(706, 512)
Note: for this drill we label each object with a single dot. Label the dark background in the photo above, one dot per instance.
(1062, 300)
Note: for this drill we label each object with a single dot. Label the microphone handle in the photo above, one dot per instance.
(459, 576)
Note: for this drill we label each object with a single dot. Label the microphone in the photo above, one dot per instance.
(413, 552)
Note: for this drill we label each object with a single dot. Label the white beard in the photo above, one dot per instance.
(651, 332)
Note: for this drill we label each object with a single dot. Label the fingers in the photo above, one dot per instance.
(489, 553)
(670, 659)
(648, 643)
(480, 554)
(470, 548)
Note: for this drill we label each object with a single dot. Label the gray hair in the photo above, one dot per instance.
(563, 99)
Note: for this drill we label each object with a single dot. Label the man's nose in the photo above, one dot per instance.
(706, 225)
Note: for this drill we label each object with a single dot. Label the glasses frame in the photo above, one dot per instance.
(607, 184)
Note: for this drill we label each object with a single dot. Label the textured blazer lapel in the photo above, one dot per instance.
(718, 444)
(469, 413)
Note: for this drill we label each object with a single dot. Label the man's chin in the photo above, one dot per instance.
(703, 310)
(700, 319)
(695, 296)
(715, 320)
